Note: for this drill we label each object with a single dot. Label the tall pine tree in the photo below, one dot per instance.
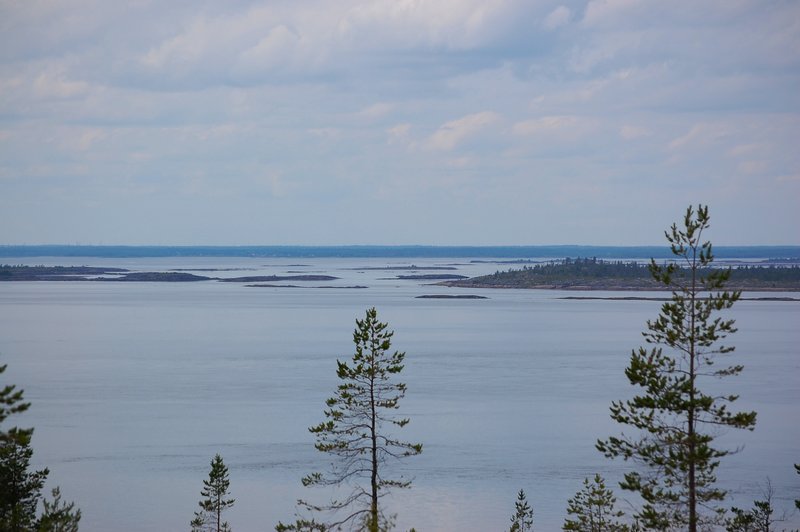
(676, 419)
(357, 432)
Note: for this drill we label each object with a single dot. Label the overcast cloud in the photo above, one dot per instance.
(397, 121)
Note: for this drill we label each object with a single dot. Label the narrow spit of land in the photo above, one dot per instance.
(91, 273)
(595, 274)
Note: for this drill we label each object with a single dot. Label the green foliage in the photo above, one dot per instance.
(677, 421)
(214, 502)
(593, 509)
(757, 519)
(596, 273)
(302, 525)
(356, 432)
(797, 501)
(11, 402)
(20, 490)
(522, 520)
(59, 516)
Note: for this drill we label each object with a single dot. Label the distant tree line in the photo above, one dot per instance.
(598, 273)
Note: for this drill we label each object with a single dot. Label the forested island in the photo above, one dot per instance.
(597, 274)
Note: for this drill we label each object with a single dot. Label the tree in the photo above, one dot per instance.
(20, 490)
(522, 520)
(593, 509)
(214, 493)
(676, 418)
(356, 432)
(58, 516)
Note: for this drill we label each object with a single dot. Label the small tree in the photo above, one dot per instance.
(522, 520)
(59, 516)
(593, 509)
(356, 432)
(215, 491)
(759, 518)
(676, 419)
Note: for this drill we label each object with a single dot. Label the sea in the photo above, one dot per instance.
(135, 386)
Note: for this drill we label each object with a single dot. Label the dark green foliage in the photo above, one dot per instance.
(20, 490)
(522, 520)
(595, 273)
(59, 516)
(757, 519)
(676, 420)
(356, 432)
(11, 403)
(797, 501)
(214, 502)
(302, 525)
(593, 509)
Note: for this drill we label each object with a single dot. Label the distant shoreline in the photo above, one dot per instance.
(398, 252)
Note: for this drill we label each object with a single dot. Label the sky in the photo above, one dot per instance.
(441, 122)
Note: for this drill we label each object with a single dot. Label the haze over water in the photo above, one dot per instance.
(135, 386)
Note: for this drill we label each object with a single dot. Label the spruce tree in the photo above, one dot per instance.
(214, 502)
(677, 421)
(357, 433)
(522, 519)
(593, 509)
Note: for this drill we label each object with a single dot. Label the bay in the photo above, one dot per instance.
(135, 386)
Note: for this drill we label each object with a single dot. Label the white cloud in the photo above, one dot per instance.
(151, 92)
(545, 124)
(609, 11)
(557, 18)
(398, 133)
(55, 84)
(450, 134)
(700, 135)
(631, 132)
(376, 110)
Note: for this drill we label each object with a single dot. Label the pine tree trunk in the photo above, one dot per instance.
(691, 420)
(374, 435)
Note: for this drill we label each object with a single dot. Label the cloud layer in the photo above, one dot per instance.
(397, 121)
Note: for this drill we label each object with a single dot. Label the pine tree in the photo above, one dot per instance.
(522, 520)
(356, 432)
(759, 518)
(593, 509)
(676, 419)
(214, 493)
(59, 516)
(20, 489)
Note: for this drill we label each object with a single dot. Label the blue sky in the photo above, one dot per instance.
(397, 121)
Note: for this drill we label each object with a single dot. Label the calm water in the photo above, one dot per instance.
(135, 386)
